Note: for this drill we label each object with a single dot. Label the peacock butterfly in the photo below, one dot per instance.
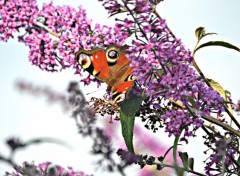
(111, 66)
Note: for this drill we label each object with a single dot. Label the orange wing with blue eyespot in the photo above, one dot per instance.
(110, 66)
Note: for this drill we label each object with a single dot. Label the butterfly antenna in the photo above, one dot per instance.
(95, 91)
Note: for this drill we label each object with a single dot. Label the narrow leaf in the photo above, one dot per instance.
(216, 86)
(131, 105)
(127, 123)
(217, 43)
(127, 117)
(167, 152)
(184, 158)
(210, 33)
(199, 32)
(227, 93)
(191, 163)
(190, 100)
(48, 140)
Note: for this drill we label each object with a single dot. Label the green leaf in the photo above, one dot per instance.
(187, 162)
(238, 161)
(224, 93)
(127, 117)
(199, 32)
(127, 123)
(217, 43)
(191, 163)
(210, 33)
(184, 158)
(190, 99)
(227, 93)
(216, 86)
(160, 71)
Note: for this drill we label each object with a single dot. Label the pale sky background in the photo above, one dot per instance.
(26, 117)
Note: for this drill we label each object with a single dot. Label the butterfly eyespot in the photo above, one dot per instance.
(112, 56)
(131, 78)
(119, 98)
(84, 60)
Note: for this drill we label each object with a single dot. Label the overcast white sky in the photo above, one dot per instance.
(27, 117)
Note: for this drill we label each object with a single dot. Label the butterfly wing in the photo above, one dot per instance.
(120, 90)
(117, 60)
(122, 79)
(110, 66)
(94, 61)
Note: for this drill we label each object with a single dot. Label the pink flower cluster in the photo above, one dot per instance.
(14, 15)
(55, 33)
(67, 25)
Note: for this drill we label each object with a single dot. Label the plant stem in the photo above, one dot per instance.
(175, 149)
(135, 20)
(177, 169)
(187, 170)
(7, 160)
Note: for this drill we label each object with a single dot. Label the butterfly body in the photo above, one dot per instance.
(110, 66)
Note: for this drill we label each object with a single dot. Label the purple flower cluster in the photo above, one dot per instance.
(176, 120)
(161, 62)
(220, 161)
(44, 169)
(163, 66)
